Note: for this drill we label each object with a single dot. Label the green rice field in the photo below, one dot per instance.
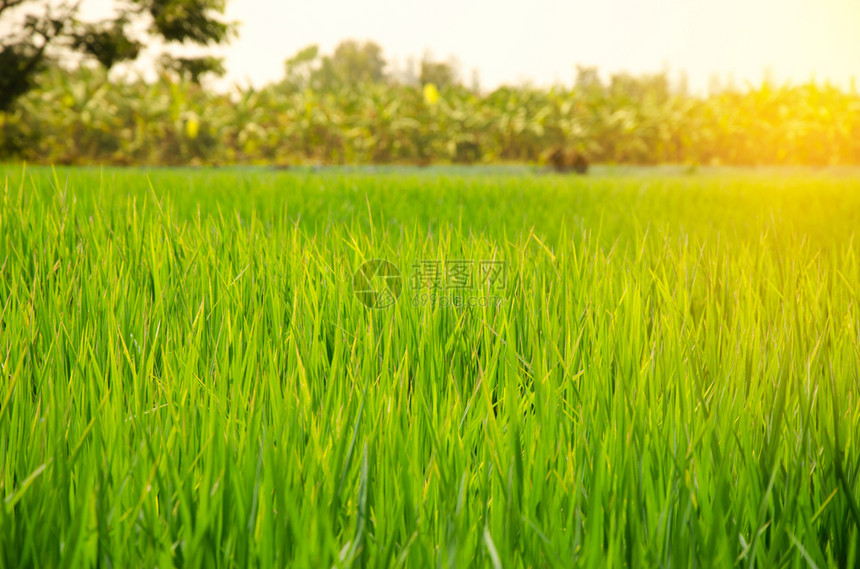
(440, 367)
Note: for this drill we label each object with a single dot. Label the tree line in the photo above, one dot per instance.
(352, 107)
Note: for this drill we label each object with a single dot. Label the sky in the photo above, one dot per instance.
(542, 41)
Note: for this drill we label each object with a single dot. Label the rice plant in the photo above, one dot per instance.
(661, 372)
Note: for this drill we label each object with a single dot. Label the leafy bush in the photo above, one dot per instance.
(84, 117)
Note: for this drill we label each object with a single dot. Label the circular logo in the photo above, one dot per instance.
(377, 283)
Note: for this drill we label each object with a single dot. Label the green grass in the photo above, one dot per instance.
(187, 379)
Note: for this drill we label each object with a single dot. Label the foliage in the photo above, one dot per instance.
(442, 74)
(346, 108)
(352, 63)
(187, 379)
(36, 38)
(108, 43)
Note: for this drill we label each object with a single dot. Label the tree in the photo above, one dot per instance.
(352, 63)
(356, 62)
(299, 69)
(440, 73)
(41, 29)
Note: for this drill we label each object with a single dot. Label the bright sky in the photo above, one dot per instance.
(543, 40)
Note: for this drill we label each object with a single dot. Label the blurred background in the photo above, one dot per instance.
(204, 82)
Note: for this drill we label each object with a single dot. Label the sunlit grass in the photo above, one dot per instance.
(188, 378)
